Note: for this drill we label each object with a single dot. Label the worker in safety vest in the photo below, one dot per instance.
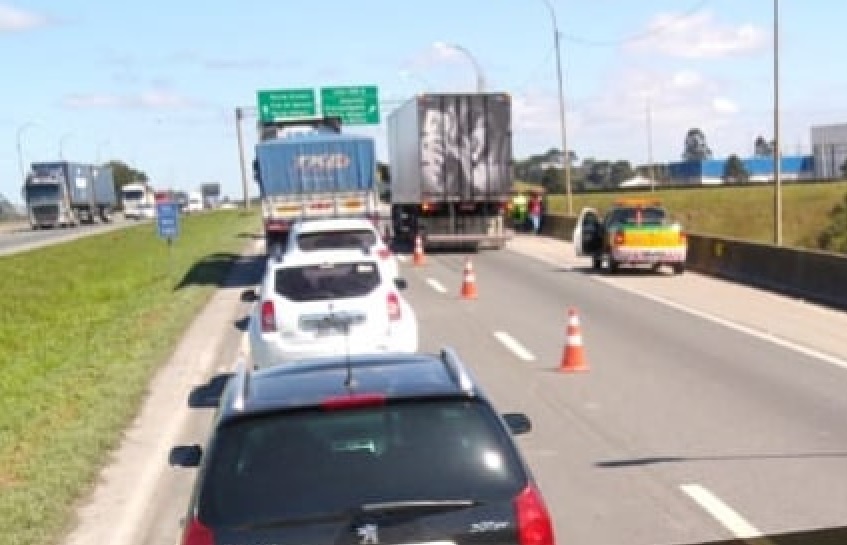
(519, 210)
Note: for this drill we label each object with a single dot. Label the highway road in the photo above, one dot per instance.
(19, 237)
(709, 410)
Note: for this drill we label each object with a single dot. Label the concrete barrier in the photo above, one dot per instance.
(812, 275)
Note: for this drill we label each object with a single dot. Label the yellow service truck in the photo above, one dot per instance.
(633, 232)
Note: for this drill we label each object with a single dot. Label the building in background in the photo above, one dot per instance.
(829, 148)
(760, 169)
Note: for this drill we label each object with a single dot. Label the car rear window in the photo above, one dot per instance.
(308, 463)
(327, 281)
(336, 240)
(640, 216)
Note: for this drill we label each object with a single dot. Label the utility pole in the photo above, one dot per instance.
(777, 179)
(239, 115)
(567, 156)
(650, 171)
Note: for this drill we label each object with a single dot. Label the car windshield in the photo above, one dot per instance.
(648, 216)
(336, 240)
(313, 463)
(327, 281)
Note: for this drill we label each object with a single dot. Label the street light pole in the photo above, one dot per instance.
(562, 124)
(20, 133)
(239, 115)
(777, 179)
(480, 77)
(62, 145)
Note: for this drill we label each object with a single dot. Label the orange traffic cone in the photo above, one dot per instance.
(573, 357)
(468, 281)
(419, 258)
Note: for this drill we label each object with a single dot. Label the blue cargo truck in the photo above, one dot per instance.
(65, 194)
(316, 172)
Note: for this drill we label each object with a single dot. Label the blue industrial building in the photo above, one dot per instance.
(760, 169)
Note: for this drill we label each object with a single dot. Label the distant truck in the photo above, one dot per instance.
(451, 168)
(307, 169)
(138, 200)
(633, 232)
(66, 194)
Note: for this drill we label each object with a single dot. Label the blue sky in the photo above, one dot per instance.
(155, 83)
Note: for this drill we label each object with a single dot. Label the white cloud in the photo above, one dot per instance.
(686, 79)
(153, 100)
(724, 106)
(13, 19)
(698, 36)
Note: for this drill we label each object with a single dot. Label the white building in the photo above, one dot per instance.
(829, 148)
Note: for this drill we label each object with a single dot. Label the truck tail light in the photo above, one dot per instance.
(393, 306)
(268, 317)
(384, 253)
(619, 238)
(683, 237)
(197, 534)
(534, 524)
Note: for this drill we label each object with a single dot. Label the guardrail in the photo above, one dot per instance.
(815, 276)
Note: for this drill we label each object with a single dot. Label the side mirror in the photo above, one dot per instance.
(518, 423)
(249, 296)
(400, 283)
(185, 456)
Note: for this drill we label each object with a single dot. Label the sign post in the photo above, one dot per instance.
(355, 105)
(275, 105)
(167, 225)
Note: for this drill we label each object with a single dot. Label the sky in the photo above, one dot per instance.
(155, 84)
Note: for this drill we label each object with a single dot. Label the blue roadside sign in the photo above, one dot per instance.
(167, 220)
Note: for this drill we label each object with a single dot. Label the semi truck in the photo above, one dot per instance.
(308, 169)
(450, 157)
(138, 200)
(65, 194)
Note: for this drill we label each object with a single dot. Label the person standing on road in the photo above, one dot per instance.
(535, 210)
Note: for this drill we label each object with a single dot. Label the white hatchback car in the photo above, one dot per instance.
(338, 234)
(327, 303)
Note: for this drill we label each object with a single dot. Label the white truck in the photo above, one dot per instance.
(138, 200)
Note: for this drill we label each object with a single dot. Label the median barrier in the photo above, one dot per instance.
(812, 275)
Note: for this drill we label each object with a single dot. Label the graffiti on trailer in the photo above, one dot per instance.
(326, 161)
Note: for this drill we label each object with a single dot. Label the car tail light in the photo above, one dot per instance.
(427, 207)
(352, 401)
(268, 317)
(534, 525)
(384, 253)
(683, 237)
(197, 534)
(618, 238)
(393, 305)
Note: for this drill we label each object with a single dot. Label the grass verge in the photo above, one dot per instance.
(744, 212)
(85, 325)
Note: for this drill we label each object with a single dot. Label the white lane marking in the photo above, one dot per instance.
(811, 352)
(517, 349)
(402, 258)
(436, 285)
(725, 514)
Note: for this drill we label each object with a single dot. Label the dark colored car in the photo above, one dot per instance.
(365, 450)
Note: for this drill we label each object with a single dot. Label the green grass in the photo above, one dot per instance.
(736, 212)
(84, 325)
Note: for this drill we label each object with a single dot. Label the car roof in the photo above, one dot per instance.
(332, 224)
(311, 382)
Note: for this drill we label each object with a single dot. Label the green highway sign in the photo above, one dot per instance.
(281, 104)
(356, 105)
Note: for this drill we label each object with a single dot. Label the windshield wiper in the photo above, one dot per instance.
(376, 507)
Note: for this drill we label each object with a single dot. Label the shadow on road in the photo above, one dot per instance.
(213, 270)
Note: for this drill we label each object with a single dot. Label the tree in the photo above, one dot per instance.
(734, 171)
(763, 148)
(834, 237)
(695, 147)
(552, 182)
(621, 171)
(124, 174)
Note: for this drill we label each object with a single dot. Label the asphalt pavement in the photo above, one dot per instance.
(709, 410)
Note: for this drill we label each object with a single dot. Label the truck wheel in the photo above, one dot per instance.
(596, 263)
(679, 268)
(614, 266)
